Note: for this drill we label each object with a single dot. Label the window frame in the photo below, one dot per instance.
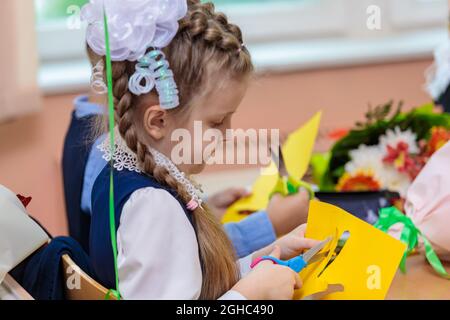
(316, 40)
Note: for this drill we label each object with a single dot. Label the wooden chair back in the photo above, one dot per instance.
(79, 285)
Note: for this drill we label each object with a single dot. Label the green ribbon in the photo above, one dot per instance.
(112, 217)
(410, 236)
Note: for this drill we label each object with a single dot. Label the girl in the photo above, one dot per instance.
(169, 245)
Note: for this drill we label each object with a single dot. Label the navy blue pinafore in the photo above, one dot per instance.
(100, 248)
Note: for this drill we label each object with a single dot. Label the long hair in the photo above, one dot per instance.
(205, 41)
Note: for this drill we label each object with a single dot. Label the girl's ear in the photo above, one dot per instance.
(155, 122)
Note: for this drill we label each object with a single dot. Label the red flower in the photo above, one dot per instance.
(419, 163)
(399, 157)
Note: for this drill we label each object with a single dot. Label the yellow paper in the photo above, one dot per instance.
(260, 195)
(297, 152)
(366, 264)
(297, 149)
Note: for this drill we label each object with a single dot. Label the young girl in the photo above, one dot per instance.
(169, 245)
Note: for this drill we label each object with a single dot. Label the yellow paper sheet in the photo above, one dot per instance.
(297, 152)
(366, 264)
(260, 196)
(297, 149)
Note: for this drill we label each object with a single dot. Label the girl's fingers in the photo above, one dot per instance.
(304, 243)
(241, 192)
(304, 194)
(298, 282)
(276, 252)
(276, 197)
(300, 199)
(235, 194)
(300, 230)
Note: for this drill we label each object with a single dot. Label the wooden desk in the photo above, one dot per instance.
(420, 282)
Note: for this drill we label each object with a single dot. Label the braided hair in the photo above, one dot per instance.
(205, 41)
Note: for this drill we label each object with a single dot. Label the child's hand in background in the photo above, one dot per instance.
(291, 245)
(220, 201)
(268, 281)
(287, 213)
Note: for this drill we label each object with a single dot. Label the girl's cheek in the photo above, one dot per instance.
(228, 123)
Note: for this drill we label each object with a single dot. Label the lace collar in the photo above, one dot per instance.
(125, 158)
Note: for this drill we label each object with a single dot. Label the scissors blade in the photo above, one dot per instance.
(318, 257)
(315, 250)
(280, 161)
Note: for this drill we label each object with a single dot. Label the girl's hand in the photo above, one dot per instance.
(286, 213)
(268, 281)
(294, 243)
(220, 201)
(291, 245)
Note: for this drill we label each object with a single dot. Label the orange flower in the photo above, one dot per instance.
(338, 134)
(360, 181)
(439, 137)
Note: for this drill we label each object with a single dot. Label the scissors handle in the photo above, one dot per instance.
(297, 263)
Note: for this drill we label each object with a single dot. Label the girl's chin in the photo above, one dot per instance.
(194, 168)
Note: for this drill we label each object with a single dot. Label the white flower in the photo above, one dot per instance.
(393, 137)
(393, 180)
(134, 25)
(370, 159)
(365, 158)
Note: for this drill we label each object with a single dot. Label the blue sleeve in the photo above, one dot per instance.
(251, 234)
(94, 165)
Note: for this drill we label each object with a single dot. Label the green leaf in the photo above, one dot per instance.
(319, 165)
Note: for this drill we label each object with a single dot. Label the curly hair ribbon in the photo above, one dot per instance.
(153, 70)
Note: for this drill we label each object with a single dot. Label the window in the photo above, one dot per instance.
(281, 34)
(421, 13)
(48, 11)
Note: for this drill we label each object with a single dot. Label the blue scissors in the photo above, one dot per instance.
(297, 263)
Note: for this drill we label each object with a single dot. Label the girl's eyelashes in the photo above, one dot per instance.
(218, 123)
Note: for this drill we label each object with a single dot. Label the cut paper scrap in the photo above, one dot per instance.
(366, 264)
(297, 151)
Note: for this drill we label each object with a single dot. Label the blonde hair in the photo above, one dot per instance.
(205, 43)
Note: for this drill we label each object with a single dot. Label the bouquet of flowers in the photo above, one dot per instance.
(386, 152)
